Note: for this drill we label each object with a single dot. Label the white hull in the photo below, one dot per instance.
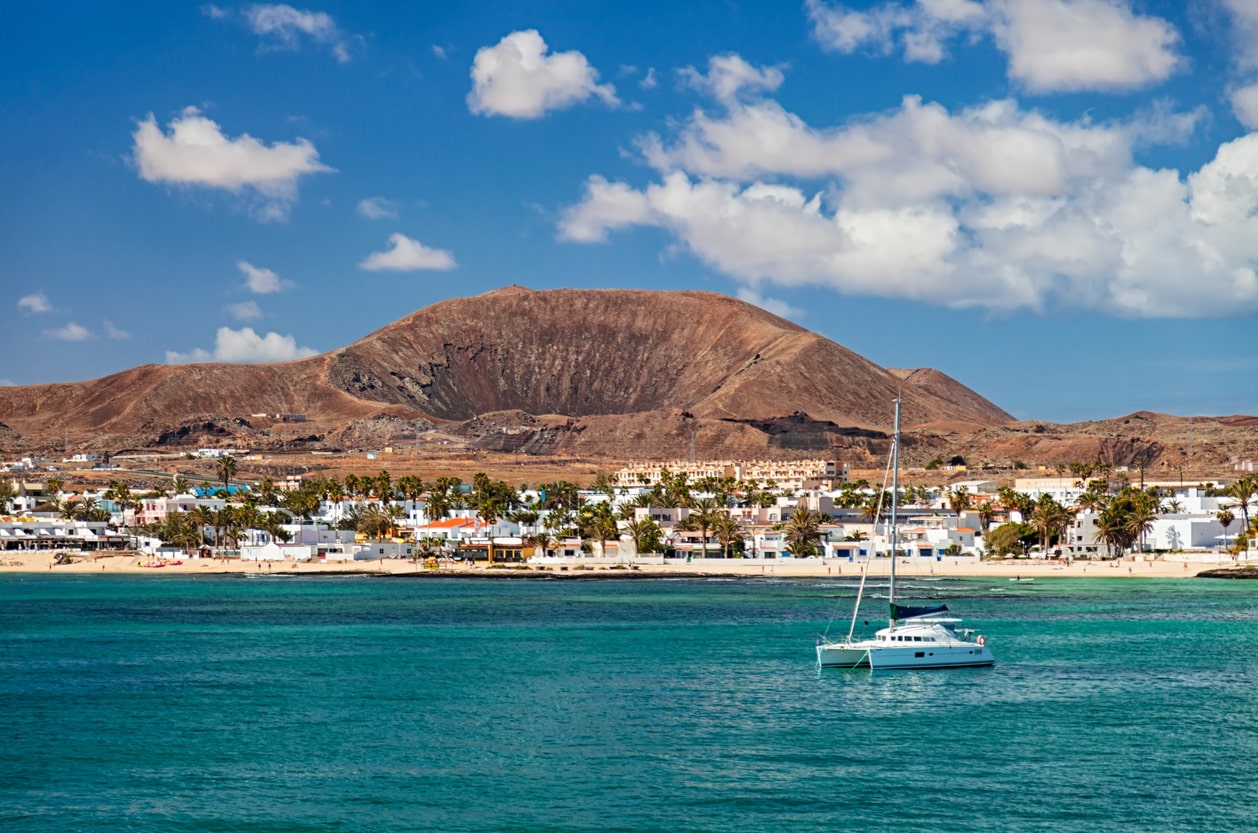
(913, 643)
(887, 658)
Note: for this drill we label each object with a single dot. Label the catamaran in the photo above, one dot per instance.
(916, 637)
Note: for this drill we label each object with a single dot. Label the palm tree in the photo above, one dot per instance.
(801, 532)
(1091, 501)
(443, 494)
(986, 514)
(352, 485)
(959, 499)
(202, 517)
(1112, 528)
(1141, 509)
(376, 521)
(1243, 490)
(729, 532)
(646, 534)
(410, 487)
(1050, 519)
(596, 522)
(267, 493)
(1225, 518)
(226, 468)
(702, 516)
(382, 485)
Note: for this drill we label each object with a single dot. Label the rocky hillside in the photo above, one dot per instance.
(604, 373)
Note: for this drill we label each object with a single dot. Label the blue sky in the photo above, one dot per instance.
(1051, 200)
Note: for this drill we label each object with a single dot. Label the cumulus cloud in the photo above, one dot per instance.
(919, 150)
(729, 76)
(245, 311)
(114, 333)
(1243, 16)
(70, 332)
(195, 153)
(992, 207)
(261, 281)
(34, 303)
(378, 208)
(244, 345)
(283, 27)
(1245, 105)
(517, 78)
(1051, 45)
(407, 255)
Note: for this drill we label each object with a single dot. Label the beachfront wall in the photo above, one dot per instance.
(1184, 532)
(1168, 532)
(375, 550)
(279, 552)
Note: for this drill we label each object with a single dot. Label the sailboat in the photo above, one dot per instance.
(915, 637)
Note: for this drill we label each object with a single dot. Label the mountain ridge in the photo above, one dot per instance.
(616, 373)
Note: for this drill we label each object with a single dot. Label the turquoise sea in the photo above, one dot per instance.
(367, 704)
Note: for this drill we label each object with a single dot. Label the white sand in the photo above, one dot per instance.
(42, 562)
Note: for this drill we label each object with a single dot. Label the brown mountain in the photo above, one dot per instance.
(618, 373)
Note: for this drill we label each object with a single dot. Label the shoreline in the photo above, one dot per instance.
(134, 564)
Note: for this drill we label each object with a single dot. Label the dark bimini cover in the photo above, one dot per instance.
(907, 612)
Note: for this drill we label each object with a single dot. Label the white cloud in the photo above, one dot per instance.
(1051, 45)
(284, 27)
(196, 153)
(114, 333)
(440, 51)
(7, 383)
(991, 207)
(245, 311)
(34, 303)
(1245, 105)
(773, 305)
(1244, 31)
(378, 208)
(648, 81)
(729, 76)
(261, 281)
(517, 78)
(920, 150)
(213, 12)
(244, 345)
(1067, 45)
(407, 255)
(70, 332)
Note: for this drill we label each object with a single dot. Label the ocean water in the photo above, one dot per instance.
(366, 704)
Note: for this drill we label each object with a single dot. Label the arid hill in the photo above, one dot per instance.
(617, 374)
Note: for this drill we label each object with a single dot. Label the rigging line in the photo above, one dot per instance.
(860, 592)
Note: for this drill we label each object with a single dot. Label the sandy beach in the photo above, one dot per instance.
(131, 563)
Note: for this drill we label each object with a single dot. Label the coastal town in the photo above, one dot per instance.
(801, 517)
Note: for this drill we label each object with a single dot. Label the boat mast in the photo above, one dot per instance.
(895, 504)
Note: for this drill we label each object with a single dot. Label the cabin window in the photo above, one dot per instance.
(919, 653)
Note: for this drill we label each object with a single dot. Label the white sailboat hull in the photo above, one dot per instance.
(868, 655)
(919, 643)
